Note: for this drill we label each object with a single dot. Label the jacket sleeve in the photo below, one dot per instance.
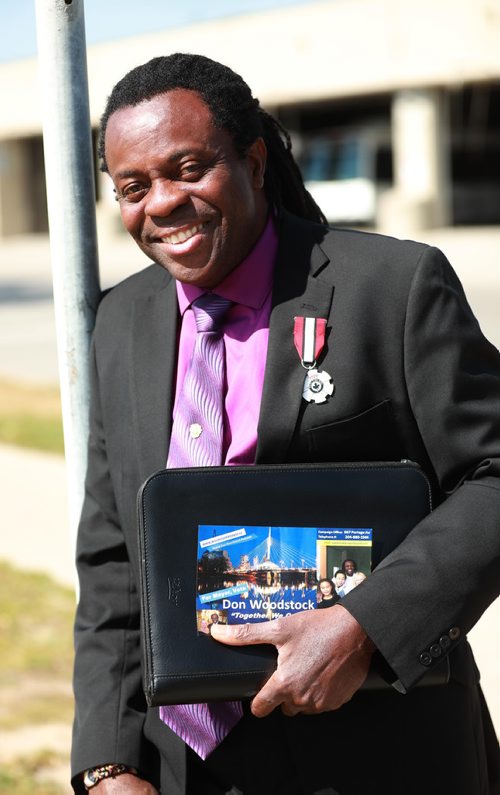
(423, 598)
(110, 706)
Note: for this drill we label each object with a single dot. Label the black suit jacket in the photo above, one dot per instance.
(414, 378)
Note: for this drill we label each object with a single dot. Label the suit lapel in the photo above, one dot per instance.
(154, 355)
(298, 291)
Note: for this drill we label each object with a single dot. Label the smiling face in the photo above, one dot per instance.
(349, 567)
(186, 197)
(325, 587)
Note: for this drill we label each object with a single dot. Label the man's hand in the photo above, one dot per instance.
(126, 784)
(323, 658)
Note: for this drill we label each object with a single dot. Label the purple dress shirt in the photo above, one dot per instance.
(246, 335)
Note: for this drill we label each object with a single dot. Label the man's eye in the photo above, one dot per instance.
(132, 193)
(191, 171)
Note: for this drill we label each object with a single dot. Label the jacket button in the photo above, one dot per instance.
(436, 650)
(454, 633)
(444, 642)
(425, 658)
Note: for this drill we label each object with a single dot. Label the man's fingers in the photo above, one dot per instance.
(245, 634)
(268, 698)
(290, 711)
(272, 632)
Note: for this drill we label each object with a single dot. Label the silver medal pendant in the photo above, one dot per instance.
(318, 386)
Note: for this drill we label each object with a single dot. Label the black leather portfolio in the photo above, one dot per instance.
(238, 544)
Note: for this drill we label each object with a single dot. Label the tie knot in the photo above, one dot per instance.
(209, 311)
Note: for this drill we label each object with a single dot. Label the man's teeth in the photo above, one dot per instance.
(184, 234)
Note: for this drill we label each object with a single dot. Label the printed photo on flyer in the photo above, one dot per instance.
(253, 573)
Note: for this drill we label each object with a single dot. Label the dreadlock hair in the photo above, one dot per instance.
(233, 109)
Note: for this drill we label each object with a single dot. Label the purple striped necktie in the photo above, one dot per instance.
(197, 440)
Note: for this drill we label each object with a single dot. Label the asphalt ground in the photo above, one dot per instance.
(34, 531)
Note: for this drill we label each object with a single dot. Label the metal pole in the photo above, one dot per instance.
(71, 204)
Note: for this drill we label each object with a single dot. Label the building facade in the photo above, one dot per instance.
(393, 105)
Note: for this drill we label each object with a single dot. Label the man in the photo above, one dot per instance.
(208, 188)
(214, 619)
(349, 568)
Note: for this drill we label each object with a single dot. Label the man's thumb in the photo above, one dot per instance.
(241, 634)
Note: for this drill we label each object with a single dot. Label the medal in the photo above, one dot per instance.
(309, 339)
(318, 386)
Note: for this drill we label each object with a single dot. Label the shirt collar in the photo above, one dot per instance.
(250, 282)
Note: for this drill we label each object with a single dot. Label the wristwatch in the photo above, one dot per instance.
(96, 774)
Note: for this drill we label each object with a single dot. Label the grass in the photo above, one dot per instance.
(36, 656)
(30, 773)
(36, 618)
(36, 649)
(30, 416)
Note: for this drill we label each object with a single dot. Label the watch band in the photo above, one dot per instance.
(94, 775)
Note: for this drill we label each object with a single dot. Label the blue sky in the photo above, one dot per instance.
(112, 19)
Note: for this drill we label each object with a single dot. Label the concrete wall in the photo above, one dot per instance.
(327, 49)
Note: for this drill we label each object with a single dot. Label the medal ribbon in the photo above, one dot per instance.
(309, 339)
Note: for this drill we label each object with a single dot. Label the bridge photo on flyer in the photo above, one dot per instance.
(253, 573)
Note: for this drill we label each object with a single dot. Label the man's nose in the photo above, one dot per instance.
(164, 196)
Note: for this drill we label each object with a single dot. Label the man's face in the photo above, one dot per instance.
(215, 618)
(186, 197)
(349, 567)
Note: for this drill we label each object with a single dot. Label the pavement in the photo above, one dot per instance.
(27, 353)
(27, 328)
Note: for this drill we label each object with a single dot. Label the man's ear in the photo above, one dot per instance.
(256, 159)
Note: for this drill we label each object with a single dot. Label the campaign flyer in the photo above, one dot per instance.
(252, 573)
